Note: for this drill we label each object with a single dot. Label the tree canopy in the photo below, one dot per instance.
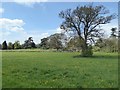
(85, 21)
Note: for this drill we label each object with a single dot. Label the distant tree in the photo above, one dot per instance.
(107, 45)
(44, 43)
(17, 45)
(33, 45)
(4, 45)
(30, 39)
(26, 44)
(10, 45)
(55, 41)
(85, 21)
(114, 32)
(114, 39)
(29, 43)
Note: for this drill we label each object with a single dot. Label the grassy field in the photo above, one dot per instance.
(59, 70)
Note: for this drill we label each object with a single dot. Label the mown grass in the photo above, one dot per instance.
(59, 70)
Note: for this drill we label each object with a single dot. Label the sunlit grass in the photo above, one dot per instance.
(59, 69)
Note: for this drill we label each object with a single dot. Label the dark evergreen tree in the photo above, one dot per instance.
(4, 45)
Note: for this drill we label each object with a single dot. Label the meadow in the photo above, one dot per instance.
(59, 70)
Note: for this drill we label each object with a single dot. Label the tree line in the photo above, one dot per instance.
(61, 42)
(16, 45)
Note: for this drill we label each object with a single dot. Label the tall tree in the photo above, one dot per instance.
(84, 21)
(4, 45)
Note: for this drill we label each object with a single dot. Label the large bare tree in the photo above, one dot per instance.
(85, 22)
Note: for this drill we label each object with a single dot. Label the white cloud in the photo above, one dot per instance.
(11, 24)
(28, 2)
(1, 10)
(11, 29)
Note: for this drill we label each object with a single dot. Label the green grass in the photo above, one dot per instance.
(59, 70)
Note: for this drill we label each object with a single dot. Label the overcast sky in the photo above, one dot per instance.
(19, 20)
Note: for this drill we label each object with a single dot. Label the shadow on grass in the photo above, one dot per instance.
(99, 57)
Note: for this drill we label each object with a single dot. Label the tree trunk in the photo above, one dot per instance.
(86, 50)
